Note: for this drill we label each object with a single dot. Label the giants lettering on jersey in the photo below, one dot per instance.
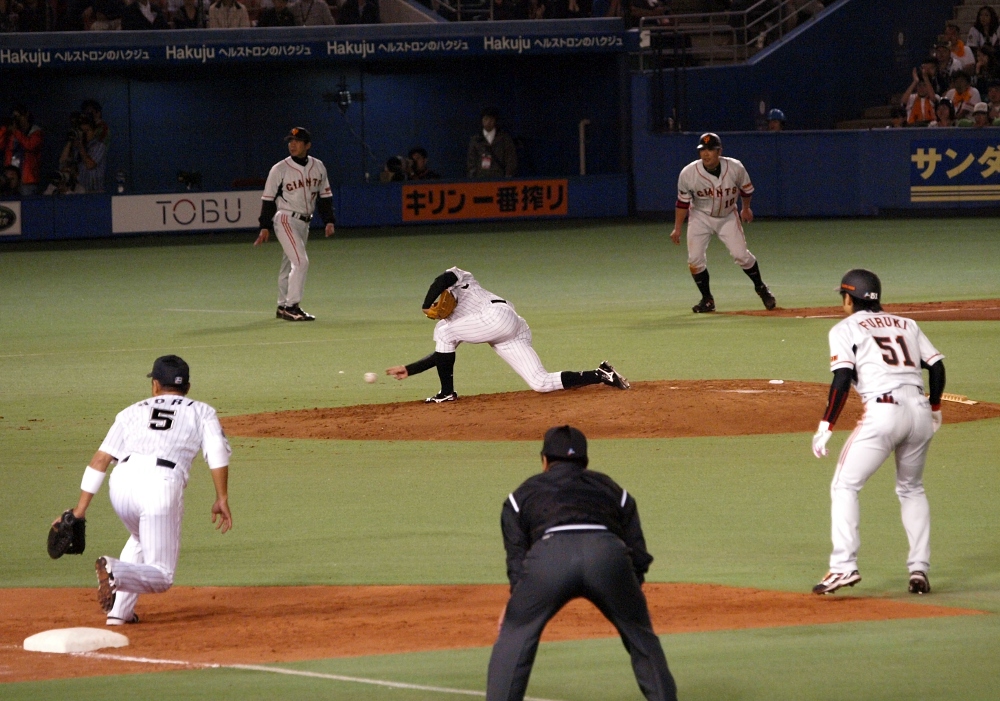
(883, 322)
(717, 192)
(291, 186)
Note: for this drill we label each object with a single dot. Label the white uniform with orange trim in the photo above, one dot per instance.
(885, 352)
(294, 188)
(712, 203)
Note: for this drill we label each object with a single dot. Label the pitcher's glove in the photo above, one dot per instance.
(68, 535)
(443, 306)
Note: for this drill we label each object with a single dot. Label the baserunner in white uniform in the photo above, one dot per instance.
(480, 316)
(295, 187)
(883, 355)
(709, 188)
(153, 443)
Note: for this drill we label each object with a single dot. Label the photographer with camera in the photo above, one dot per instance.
(21, 145)
(10, 183)
(395, 169)
(85, 151)
(65, 182)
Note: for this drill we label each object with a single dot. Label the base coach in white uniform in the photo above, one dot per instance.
(153, 443)
(295, 187)
(883, 355)
(571, 532)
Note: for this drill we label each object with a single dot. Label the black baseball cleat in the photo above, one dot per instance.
(280, 314)
(611, 377)
(835, 580)
(440, 398)
(294, 313)
(766, 297)
(105, 585)
(919, 584)
(705, 306)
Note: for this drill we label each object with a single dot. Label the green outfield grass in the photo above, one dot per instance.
(82, 322)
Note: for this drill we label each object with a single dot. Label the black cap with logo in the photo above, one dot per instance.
(171, 371)
(566, 443)
(710, 141)
(299, 134)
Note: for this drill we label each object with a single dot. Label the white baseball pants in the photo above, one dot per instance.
(292, 233)
(904, 427)
(508, 334)
(149, 500)
(729, 229)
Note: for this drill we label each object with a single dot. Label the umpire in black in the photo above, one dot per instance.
(572, 532)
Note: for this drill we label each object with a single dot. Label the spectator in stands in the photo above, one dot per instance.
(143, 15)
(509, 9)
(394, 170)
(946, 66)
(64, 182)
(775, 120)
(962, 95)
(87, 153)
(958, 48)
(228, 14)
(312, 13)
(32, 17)
(277, 16)
(190, 15)
(359, 12)
(897, 117)
(418, 165)
(103, 15)
(980, 117)
(945, 113)
(919, 100)
(993, 100)
(21, 144)
(10, 183)
(987, 68)
(492, 154)
(986, 30)
(9, 16)
(637, 9)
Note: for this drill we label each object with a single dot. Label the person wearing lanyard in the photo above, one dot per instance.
(572, 532)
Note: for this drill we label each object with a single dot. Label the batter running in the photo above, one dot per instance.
(153, 443)
(709, 188)
(479, 316)
(883, 355)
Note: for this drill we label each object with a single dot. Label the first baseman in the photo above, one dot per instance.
(882, 354)
(295, 187)
(479, 316)
(153, 443)
(709, 188)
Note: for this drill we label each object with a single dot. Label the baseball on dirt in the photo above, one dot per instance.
(370, 377)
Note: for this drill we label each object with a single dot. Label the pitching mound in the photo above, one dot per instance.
(966, 310)
(661, 409)
(194, 626)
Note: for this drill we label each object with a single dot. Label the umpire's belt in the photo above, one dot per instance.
(303, 217)
(574, 528)
(159, 462)
(498, 301)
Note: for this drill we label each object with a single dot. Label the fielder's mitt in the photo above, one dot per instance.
(443, 306)
(68, 535)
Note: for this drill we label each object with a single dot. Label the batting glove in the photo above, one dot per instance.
(822, 435)
(936, 419)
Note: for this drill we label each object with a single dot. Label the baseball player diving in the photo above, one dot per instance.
(883, 356)
(466, 313)
(152, 444)
(294, 187)
(709, 188)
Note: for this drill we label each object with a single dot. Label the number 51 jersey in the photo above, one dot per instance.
(169, 427)
(884, 350)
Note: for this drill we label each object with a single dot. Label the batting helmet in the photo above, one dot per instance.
(861, 284)
(776, 114)
(710, 141)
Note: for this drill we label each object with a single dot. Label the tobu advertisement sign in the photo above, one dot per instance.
(187, 211)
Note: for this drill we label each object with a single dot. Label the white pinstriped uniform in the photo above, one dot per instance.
(885, 351)
(149, 498)
(483, 317)
(713, 210)
(294, 189)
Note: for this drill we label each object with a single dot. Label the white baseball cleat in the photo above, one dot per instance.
(835, 580)
(440, 398)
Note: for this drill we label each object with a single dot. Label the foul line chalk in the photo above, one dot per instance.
(141, 660)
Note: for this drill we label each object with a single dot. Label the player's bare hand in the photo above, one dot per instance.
(329, 230)
(397, 371)
(675, 236)
(220, 510)
(746, 214)
(264, 236)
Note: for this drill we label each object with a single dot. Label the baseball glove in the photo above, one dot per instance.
(443, 306)
(68, 535)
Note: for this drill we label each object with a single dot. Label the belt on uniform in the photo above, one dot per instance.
(160, 462)
(575, 527)
(886, 399)
(303, 217)
(498, 301)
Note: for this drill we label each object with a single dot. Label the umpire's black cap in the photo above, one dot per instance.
(299, 134)
(710, 141)
(171, 371)
(565, 443)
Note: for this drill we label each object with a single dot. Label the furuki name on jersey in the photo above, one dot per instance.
(883, 322)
